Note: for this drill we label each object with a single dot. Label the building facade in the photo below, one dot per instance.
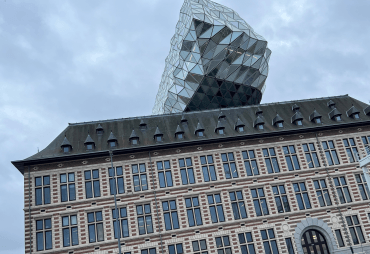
(273, 178)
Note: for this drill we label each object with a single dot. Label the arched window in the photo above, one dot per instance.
(314, 242)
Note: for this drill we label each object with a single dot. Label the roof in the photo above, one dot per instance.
(76, 133)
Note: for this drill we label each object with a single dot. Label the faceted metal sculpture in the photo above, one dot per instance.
(216, 61)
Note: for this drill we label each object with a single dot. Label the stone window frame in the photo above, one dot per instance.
(310, 152)
(148, 175)
(270, 157)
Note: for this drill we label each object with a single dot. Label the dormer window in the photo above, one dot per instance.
(298, 122)
(112, 140)
(66, 145)
(356, 116)
(240, 129)
(220, 128)
(260, 126)
(159, 138)
(318, 120)
(66, 149)
(338, 118)
(89, 146)
(220, 131)
(354, 113)
(99, 130)
(158, 135)
(279, 124)
(134, 141)
(112, 143)
(89, 143)
(200, 133)
(259, 123)
(142, 124)
(180, 135)
(239, 126)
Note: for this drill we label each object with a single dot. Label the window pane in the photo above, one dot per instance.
(339, 238)
(169, 179)
(48, 240)
(96, 188)
(46, 195)
(74, 236)
(88, 189)
(92, 233)
(38, 196)
(40, 241)
(99, 228)
(72, 192)
(121, 187)
(175, 220)
(66, 240)
(190, 217)
(162, 182)
(198, 217)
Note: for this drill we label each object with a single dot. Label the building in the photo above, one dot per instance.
(216, 60)
(241, 180)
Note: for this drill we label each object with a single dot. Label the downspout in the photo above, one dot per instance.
(29, 207)
(156, 204)
(334, 192)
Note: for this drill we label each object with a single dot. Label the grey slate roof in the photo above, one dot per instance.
(89, 140)
(314, 115)
(122, 128)
(352, 111)
(277, 119)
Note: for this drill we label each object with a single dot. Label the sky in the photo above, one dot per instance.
(74, 61)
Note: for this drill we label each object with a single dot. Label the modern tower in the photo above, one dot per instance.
(216, 60)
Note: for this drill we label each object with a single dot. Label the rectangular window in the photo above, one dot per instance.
(330, 152)
(246, 243)
(187, 171)
(311, 155)
(269, 242)
(229, 165)
(302, 196)
(149, 251)
(281, 199)
(42, 190)
(67, 187)
(95, 225)
(250, 163)
(43, 235)
(199, 247)
(355, 229)
(123, 228)
(340, 241)
(351, 149)
(116, 180)
(140, 178)
(271, 160)
(215, 208)
(342, 189)
(193, 211)
(289, 245)
(208, 168)
(164, 174)
(223, 245)
(175, 249)
(363, 187)
(171, 219)
(70, 230)
(92, 183)
(366, 140)
(322, 192)
(144, 219)
(291, 158)
(238, 205)
(259, 201)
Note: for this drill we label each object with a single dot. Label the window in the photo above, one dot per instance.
(356, 116)
(311, 155)
(240, 128)
(355, 229)
(215, 208)
(175, 249)
(220, 131)
(260, 126)
(164, 174)
(193, 211)
(116, 180)
(338, 234)
(280, 124)
(330, 152)
(223, 245)
(70, 230)
(322, 192)
(229, 165)
(289, 245)
(281, 199)
(122, 222)
(180, 135)
(186, 170)
(259, 201)
(363, 187)
(144, 219)
(199, 247)
(90, 146)
(171, 219)
(351, 149)
(269, 242)
(134, 141)
(66, 149)
(342, 189)
(43, 235)
(237, 203)
(42, 190)
(271, 160)
(291, 158)
(338, 118)
(159, 138)
(67, 185)
(139, 177)
(200, 133)
(112, 143)
(250, 163)
(246, 243)
(318, 120)
(149, 251)
(92, 183)
(366, 140)
(302, 196)
(95, 225)
(209, 172)
(298, 122)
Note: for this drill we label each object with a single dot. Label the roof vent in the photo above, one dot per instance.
(259, 111)
(295, 107)
(142, 124)
(99, 129)
(221, 116)
(183, 119)
(66, 145)
(353, 112)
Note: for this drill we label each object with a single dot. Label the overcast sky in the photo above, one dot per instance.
(75, 61)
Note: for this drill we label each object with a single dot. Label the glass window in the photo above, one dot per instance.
(92, 183)
(240, 128)
(318, 120)
(351, 149)
(355, 229)
(215, 208)
(238, 205)
(338, 234)
(301, 195)
(291, 158)
(95, 226)
(199, 246)
(164, 174)
(67, 187)
(269, 241)
(229, 165)
(281, 199)
(171, 219)
(123, 227)
(338, 118)
(180, 135)
(42, 190)
(112, 144)
(322, 192)
(139, 177)
(187, 171)
(260, 126)
(250, 163)
(220, 131)
(43, 235)
(342, 189)
(362, 186)
(223, 245)
(159, 138)
(134, 141)
(193, 211)
(289, 245)
(271, 160)
(70, 230)
(311, 155)
(259, 202)
(208, 168)
(298, 122)
(144, 219)
(330, 152)
(149, 251)
(200, 133)
(280, 124)
(66, 149)
(246, 243)
(175, 249)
